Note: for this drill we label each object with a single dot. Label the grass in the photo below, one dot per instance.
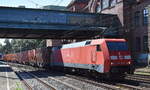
(18, 86)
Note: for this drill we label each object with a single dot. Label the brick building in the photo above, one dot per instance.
(139, 29)
(133, 16)
(78, 5)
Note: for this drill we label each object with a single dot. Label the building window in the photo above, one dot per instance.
(138, 44)
(145, 43)
(112, 2)
(137, 18)
(105, 4)
(145, 16)
(99, 6)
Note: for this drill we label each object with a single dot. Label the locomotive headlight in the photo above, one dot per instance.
(129, 62)
(112, 63)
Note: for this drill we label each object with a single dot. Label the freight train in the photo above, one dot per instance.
(103, 56)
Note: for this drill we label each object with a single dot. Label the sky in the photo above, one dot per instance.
(32, 4)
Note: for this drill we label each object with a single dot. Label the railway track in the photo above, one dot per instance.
(55, 84)
(35, 83)
(24, 82)
(64, 78)
(102, 85)
(106, 84)
(128, 87)
(41, 81)
(137, 77)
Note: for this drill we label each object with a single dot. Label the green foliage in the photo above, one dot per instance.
(18, 45)
(18, 86)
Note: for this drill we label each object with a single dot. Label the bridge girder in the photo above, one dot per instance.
(39, 23)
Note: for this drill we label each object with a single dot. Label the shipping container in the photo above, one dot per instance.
(43, 56)
(32, 57)
(24, 57)
(10, 57)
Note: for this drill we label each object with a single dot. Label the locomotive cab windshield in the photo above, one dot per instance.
(119, 53)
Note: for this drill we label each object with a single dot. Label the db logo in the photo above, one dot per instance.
(120, 57)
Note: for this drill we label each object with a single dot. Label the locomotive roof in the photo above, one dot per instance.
(88, 42)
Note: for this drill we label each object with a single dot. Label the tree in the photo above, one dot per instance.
(17, 45)
(7, 48)
(1, 48)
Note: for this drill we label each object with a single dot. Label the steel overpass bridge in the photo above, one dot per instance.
(51, 24)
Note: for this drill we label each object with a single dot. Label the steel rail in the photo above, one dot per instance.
(41, 81)
(25, 83)
(103, 85)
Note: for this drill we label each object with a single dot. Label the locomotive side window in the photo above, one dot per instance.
(117, 46)
(88, 42)
(98, 48)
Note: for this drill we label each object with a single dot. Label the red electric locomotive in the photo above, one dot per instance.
(106, 56)
(100, 56)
